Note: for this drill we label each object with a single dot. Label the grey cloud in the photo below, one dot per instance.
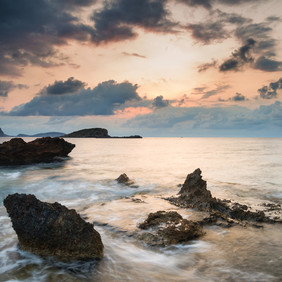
(240, 57)
(206, 66)
(134, 55)
(31, 30)
(159, 102)
(69, 86)
(7, 86)
(268, 64)
(238, 97)
(219, 89)
(217, 120)
(208, 32)
(117, 19)
(270, 91)
(104, 99)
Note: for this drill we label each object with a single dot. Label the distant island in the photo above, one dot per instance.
(83, 133)
(95, 133)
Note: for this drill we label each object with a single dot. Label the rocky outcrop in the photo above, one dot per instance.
(95, 133)
(89, 133)
(2, 134)
(47, 149)
(52, 229)
(167, 228)
(124, 179)
(194, 194)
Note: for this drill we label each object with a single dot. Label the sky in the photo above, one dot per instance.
(157, 68)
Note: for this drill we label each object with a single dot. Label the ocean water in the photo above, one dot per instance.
(246, 170)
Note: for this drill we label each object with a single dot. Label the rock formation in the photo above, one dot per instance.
(2, 134)
(52, 229)
(89, 133)
(95, 133)
(47, 149)
(194, 194)
(167, 228)
(124, 179)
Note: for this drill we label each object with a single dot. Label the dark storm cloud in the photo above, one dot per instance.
(270, 91)
(31, 30)
(7, 86)
(101, 100)
(159, 102)
(240, 57)
(117, 19)
(69, 86)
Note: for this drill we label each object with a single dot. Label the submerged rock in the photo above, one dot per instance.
(52, 229)
(46, 149)
(167, 228)
(124, 179)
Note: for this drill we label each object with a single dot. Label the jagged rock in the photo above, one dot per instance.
(194, 191)
(124, 179)
(167, 228)
(2, 134)
(52, 229)
(47, 149)
(194, 194)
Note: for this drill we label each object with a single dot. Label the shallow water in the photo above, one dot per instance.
(247, 170)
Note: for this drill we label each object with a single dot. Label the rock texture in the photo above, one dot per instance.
(52, 229)
(47, 149)
(167, 228)
(124, 179)
(194, 194)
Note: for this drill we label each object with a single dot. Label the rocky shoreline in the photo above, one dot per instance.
(52, 229)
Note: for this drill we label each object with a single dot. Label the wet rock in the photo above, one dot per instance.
(124, 179)
(194, 194)
(46, 149)
(167, 228)
(52, 229)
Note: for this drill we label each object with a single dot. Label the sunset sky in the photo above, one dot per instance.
(148, 67)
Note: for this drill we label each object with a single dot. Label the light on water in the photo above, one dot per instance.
(245, 170)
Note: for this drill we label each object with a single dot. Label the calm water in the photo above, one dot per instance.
(245, 170)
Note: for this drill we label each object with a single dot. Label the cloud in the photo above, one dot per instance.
(69, 86)
(270, 91)
(134, 55)
(206, 66)
(206, 94)
(159, 102)
(7, 86)
(238, 97)
(214, 121)
(30, 31)
(117, 19)
(208, 32)
(239, 57)
(104, 99)
(267, 64)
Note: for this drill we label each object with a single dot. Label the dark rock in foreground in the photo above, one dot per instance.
(194, 194)
(52, 229)
(124, 179)
(47, 149)
(167, 228)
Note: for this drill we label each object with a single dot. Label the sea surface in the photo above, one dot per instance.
(246, 170)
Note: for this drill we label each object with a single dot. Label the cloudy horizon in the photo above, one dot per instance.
(154, 68)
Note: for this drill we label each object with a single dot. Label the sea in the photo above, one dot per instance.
(244, 170)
